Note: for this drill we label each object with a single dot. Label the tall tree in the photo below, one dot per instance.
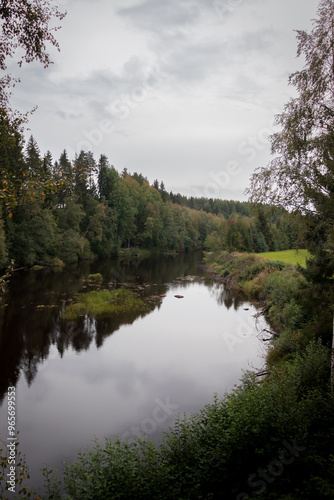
(33, 158)
(301, 175)
(24, 27)
(85, 168)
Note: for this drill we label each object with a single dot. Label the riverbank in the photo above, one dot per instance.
(222, 450)
(288, 300)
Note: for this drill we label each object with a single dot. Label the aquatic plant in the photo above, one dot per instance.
(104, 303)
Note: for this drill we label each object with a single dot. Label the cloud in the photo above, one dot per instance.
(162, 17)
(184, 83)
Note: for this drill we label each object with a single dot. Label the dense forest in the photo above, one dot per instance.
(72, 210)
(272, 437)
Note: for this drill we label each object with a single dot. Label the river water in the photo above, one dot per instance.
(128, 375)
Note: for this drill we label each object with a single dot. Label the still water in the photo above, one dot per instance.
(128, 375)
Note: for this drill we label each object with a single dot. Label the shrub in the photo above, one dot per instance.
(73, 247)
(282, 286)
(95, 277)
(285, 348)
(212, 453)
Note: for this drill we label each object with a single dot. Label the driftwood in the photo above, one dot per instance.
(274, 334)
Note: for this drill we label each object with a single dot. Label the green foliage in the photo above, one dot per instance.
(95, 277)
(282, 286)
(215, 452)
(31, 236)
(253, 234)
(3, 247)
(70, 214)
(73, 247)
(119, 211)
(56, 262)
(301, 175)
(22, 490)
(103, 304)
(296, 309)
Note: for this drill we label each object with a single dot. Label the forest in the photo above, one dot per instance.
(272, 436)
(73, 210)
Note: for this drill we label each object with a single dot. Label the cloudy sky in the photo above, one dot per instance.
(183, 91)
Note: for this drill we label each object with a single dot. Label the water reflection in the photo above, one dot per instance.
(124, 375)
(30, 320)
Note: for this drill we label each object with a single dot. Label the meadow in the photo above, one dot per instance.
(289, 256)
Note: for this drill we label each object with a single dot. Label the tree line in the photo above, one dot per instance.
(73, 210)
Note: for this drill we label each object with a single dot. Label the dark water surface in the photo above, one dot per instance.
(127, 376)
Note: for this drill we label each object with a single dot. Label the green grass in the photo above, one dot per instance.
(104, 304)
(290, 256)
(95, 277)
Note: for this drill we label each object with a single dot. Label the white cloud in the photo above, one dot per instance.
(171, 89)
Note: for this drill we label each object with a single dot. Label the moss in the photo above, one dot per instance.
(57, 262)
(95, 277)
(104, 303)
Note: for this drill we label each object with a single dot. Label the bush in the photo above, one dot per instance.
(282, 286)
(73, 247)
(95, 277)
(214, 453)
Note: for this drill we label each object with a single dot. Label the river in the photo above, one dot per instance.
(126, 376)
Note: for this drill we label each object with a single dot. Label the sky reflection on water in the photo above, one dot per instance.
(171, 361)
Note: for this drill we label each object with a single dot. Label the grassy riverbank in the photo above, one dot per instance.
(296, 311)
(271, 438)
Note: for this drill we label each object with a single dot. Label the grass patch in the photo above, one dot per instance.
(289, 256)
(95, 277)
(104, 304)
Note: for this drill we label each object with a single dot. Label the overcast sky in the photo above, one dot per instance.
(183, 91)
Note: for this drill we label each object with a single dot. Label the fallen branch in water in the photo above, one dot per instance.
(274, 334)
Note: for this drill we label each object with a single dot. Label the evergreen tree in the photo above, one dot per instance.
(33, 159)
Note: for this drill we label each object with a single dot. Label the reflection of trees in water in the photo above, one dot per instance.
(29, 337)
(30, 325)
(225, 297)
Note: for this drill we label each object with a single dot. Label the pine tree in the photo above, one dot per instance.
(33, 159)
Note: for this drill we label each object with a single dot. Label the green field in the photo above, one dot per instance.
(291, 256)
